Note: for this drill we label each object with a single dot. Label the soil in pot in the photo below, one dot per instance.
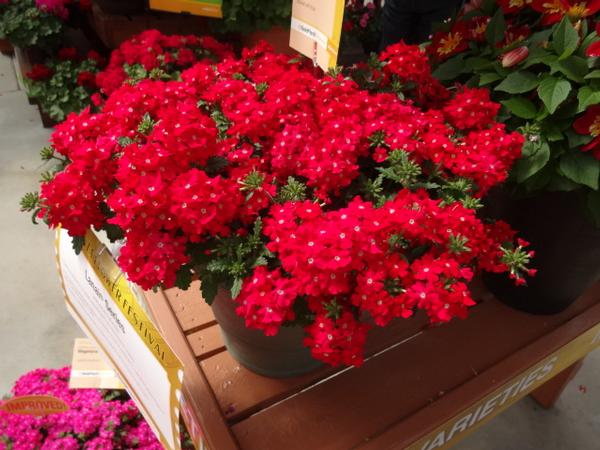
(567, 251)
(279, 356)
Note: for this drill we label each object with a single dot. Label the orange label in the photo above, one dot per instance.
(34, 405)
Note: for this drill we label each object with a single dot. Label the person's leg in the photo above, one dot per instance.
(398, 21)
(431, 12)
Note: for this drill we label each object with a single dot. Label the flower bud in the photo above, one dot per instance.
(515, 56)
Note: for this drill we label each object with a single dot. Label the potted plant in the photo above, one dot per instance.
(539, 60)
(302, 203)
(27, 25)
(63, 85)
(97, 419)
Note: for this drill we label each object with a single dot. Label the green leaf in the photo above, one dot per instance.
(593, 74)
(574, 67)
(183, 278)
(477, 63)
(593, 201)
(521, 107)
(488, 77)
(565, 38)
(236, 287)
(553, 91)
(577, 140)
(209, 286)
(518, 83)
(535, 157)
(77, 243)
(586, 97)
(496, 27)
(580, 167)
(450, 69)
(540, 36)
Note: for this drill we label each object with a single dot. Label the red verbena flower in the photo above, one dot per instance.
(589, 125)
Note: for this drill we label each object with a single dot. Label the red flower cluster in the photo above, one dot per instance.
(152, 50)
(39, 72)
(257, 156)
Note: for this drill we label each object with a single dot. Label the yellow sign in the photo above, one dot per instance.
(316, 30)
(101, 301)
(485, 409)
(208, 8)
(34, 405)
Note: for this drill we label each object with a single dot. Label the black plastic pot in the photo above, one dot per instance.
(567, 251)
(279, 356)
(122, 8)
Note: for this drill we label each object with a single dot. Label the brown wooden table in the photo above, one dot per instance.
(421, 388)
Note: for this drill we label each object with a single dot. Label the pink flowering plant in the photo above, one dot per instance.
(312, 201)
(96, 419)
(539, 59)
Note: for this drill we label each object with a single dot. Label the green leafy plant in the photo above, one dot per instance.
(547, 77)
(245, 16)
(24, 25)
(66, 87)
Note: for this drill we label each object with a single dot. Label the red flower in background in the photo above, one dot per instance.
(445, 44)
(67, 54)
(554, 10)
(477, 27)
(87, 79)
(39, 72)
(513, 6)
(593, 50)
(515, 34)
(589, 124)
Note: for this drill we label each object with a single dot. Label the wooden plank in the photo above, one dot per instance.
(192, 312)
(230, 380)
(359, 406)
(207, 342)
(204, 409)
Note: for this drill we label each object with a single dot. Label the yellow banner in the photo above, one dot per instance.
(490, 406)
(208, 8)
(100, 299)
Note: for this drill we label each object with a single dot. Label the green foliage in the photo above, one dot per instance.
(518, 82)
(535, 156)
(24, 25)
(401, 170)
(246, 16)
(231, 260)
(565, 38)
(61, 95)
(542, 96)
(146, 124)
(553, 91)
(293, 191)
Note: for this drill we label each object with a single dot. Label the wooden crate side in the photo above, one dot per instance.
(198, 393)
(359, 405)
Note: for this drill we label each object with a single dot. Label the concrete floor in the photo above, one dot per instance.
(36, 330)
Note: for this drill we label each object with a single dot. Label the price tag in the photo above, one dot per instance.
(316, 30)
(101, 301)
